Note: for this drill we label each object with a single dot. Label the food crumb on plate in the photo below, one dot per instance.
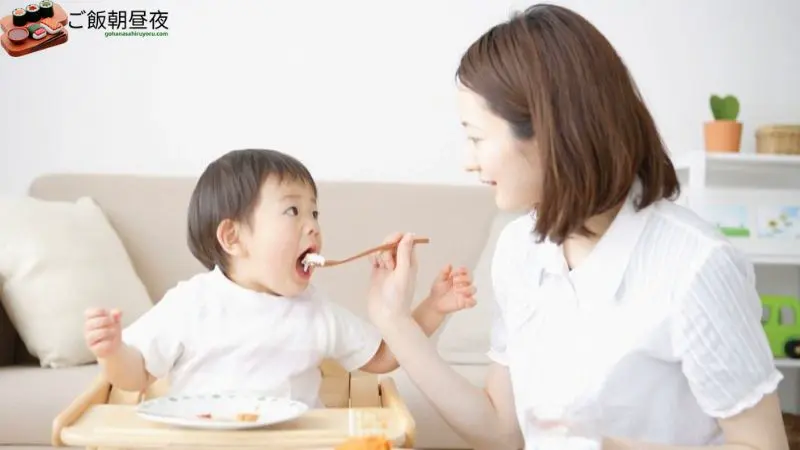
(247, 417)
(241, 417)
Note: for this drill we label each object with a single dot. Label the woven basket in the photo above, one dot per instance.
(778, 139)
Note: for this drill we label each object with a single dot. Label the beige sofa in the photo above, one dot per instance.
(148, 213)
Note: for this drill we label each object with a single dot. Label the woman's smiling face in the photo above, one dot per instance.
(510, 165)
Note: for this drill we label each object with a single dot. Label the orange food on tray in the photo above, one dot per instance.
(366, 443)
(247, 417)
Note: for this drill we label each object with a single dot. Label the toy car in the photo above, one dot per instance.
(781, 321)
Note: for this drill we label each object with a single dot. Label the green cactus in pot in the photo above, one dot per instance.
(725, 108)
(724, 133)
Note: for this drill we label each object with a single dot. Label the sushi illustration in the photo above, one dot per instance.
(32, 12)
(51, 26)
(33, 26)
(46, 9)
(20, 17)
(18, 35)
(37, 31)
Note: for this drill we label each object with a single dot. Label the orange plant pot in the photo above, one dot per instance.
(723, 136)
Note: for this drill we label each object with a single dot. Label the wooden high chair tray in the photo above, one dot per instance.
(119, 426)
(357, 404)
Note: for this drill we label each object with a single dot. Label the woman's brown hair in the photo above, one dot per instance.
(556, 79)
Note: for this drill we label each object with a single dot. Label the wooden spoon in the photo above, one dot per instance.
(315, 260)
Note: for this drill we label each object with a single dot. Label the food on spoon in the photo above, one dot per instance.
(312, 259)
(365, 443)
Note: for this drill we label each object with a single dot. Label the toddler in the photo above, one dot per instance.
(253, 322)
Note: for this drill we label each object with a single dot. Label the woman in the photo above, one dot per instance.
(622, 316)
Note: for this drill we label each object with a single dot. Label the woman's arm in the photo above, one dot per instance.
(485, 418)
(758, 428)
(428, 319)
(725, 356)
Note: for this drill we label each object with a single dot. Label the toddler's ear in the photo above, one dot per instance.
(228, 237)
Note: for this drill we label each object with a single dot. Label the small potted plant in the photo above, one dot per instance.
(724, 133)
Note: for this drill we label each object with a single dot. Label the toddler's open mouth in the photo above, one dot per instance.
(307, 260)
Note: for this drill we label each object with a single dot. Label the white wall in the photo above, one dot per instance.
(357, 89)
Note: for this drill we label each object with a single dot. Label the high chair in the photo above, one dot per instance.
(356, 404)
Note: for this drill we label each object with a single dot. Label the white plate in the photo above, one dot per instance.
(186, 411)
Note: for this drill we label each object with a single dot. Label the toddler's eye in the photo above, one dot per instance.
(315, 214)
(292, 211)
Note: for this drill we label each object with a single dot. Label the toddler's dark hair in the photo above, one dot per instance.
(229, 189)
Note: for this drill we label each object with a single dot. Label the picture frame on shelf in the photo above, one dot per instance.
(778, 222)
(732, 220)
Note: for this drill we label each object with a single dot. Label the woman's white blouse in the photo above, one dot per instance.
(654, 336)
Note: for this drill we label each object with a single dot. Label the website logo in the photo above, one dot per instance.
(34, 27)
(122, 23)
(37, 26)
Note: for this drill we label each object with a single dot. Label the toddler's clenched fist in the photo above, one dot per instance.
(103, 331)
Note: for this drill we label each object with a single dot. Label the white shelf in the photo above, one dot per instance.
(685, 160)
(744, 179)
(770, 251)
(787, 363)
(735, 161)
(750, 161)
(706, 169)
(774, 260)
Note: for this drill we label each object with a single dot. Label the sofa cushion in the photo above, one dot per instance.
(355, 217)
(22, 356)
(34, 396)
(8, 336)
(465, 338)
(58, 259)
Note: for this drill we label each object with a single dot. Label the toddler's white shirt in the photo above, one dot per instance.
(209, 334)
